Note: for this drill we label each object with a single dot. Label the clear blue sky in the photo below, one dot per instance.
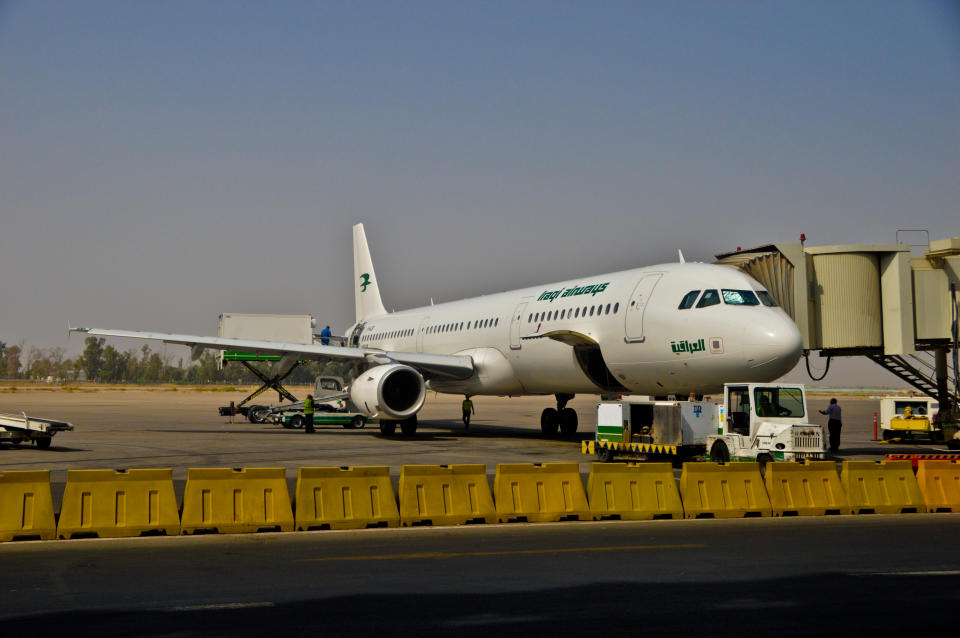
(163, 162)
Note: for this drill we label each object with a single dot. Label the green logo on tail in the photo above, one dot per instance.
(364, 282)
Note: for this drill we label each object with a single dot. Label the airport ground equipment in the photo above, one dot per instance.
(294, 419)
(909, 418)
(712, 490)
(885, 302)
(765, 422)
(885, 487)
(916, 458)
(328, 396)
(641, 428)
(267, 327)
(17, 428)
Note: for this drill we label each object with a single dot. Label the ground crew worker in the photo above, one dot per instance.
(325, 336)
(308, 414)
(834, 424)
(467, 411)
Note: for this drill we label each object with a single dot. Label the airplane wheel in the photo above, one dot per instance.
(719, 453)
(549, 421)
(297, 421)
(409, 426)
(568, 421)
(387, 428)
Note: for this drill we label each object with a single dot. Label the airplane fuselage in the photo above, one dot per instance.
(619, 332)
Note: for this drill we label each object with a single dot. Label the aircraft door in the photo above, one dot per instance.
(637, 306)
(420, 331)
(515, 325)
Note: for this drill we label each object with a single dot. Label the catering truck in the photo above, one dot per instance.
(757, 421)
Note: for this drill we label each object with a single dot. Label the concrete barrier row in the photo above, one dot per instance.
(108, 503)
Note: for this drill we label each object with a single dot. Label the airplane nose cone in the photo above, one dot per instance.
(772, 346)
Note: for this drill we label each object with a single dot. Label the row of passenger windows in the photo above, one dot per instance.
(392, 334)
(479, 324)
(732, 297)
(573, 313)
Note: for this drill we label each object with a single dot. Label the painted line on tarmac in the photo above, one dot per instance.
(216, 606)
(518, 552)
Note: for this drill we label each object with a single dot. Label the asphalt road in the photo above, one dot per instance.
(831, 576)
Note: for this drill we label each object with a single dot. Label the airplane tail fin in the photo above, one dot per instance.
(367, 292)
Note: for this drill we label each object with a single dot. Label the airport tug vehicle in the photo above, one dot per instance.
(907, 418)
(765, 422)
(18, 428)
(760, 422)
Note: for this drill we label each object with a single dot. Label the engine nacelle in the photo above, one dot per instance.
(394, 391)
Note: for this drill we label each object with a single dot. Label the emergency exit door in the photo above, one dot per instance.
(515, 324)
(637, 306)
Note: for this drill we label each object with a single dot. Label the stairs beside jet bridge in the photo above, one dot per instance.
(915, 371)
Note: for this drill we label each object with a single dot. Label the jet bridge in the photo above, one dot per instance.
(881, 301)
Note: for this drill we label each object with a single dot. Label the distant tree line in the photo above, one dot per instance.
(104, 363)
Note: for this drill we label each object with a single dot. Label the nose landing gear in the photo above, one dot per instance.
(560, 418)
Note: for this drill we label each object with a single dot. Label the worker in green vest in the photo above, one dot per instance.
(467, 407)
(308, 414)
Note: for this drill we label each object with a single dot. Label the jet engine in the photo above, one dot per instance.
(394, 391)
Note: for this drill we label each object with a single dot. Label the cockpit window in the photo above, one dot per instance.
(709, 298)
(766, 298)
(689, 299)
(740, 298)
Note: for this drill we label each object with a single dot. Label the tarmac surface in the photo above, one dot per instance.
(835, 575)
(181, 429)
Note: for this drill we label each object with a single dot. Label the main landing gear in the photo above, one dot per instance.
(407, 426)
(560, 418)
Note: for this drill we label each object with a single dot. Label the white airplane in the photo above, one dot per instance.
(679, 329)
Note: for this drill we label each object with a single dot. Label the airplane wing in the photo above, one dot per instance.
(450, 366)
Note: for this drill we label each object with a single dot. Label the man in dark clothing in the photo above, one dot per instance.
(467, 407)
(834, 424)
(308, 414)
(325, 336)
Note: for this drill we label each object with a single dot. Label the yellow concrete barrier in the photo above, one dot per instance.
(234, 501)
(345, 498)
(26, 506)
(445, 495)
(805, 489)
(633, 492)
(884, 487)
(939, 482)
(112, 504)
(734, 490)
(540, 493)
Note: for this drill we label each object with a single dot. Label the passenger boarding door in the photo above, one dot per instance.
(420, 332)
(515, 324)
(637, 306)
